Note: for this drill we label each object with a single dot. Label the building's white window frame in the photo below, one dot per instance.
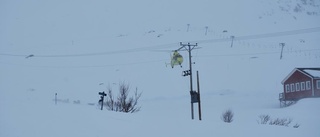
(292, 87)
(308, 85)
(287, 88)
(297, 86)
(302, 86)
(318, 84)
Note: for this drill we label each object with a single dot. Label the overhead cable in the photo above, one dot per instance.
(256, 36)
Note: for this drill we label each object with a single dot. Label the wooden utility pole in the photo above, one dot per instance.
(194, 95)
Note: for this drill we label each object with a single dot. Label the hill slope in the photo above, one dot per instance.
(79, 48)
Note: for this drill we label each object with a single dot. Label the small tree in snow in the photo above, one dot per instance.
(227, 116)
(123, 103)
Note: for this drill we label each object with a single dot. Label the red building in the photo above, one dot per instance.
(300, 83)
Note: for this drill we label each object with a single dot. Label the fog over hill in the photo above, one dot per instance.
(77, 48)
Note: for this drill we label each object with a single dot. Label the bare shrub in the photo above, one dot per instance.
(227, 116)
(264, 119)
(110, 103)
(123, 103)
(296, 125)
(281, 122)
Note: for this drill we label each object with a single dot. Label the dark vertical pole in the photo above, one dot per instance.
(55, 98)
(281, 44)
(232, 37)
(191, 87)
(192, 113)
(189, 72)
(101, 102)
(206, 30)
(199, 101)
(102, 98)
(190, 66)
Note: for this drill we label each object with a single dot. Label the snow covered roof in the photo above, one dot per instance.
(314, 72)
(311, 72)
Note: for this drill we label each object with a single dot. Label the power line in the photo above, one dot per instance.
(14, 55)
(266, 35)
(95, 54)
(153, 61)
(86, 66)
(258, 53)
(256, 36)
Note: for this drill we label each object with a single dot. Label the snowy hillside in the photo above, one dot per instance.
(77, 48)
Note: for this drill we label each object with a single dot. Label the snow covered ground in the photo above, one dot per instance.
(79, 48)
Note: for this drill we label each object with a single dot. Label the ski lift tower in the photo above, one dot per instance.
(195, 96)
